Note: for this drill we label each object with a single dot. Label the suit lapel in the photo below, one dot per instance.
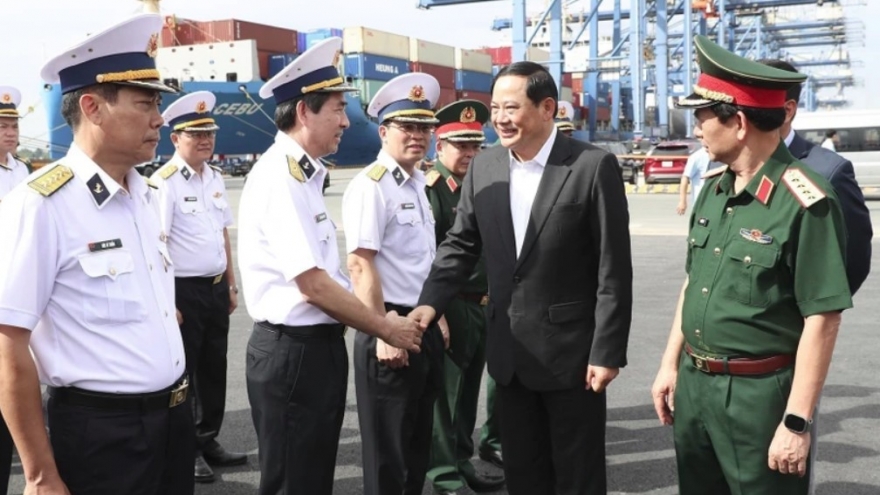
(500, 180)
(555, 174)
(800, 147)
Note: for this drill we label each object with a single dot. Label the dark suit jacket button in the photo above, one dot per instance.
(517, 280)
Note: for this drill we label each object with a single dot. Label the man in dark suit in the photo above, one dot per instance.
(839, 172)
(551, 214)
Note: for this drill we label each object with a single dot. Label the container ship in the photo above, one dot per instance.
(232, 58)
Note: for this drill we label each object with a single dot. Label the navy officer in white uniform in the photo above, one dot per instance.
(12, 172)
(88, 286)
(389, 234)
(196, 214)
(297, 363)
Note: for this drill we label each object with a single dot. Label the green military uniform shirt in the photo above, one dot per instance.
(443, 193)
(761, 261)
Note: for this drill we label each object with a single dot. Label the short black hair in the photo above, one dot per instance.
(540, 84)
(830, 133)
(70, 101)
(794, 91)
(764, 119)
(285, 112)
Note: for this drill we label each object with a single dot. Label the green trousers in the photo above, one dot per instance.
(455, 411)
(723, 427)
(490, 433)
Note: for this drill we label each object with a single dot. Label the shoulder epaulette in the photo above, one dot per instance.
(802, 188)
(432, 177)
(713, 172)
(167, 171)
(217, 169)
(151, 183)
(377, 172)
(295, 170)
(49, 183)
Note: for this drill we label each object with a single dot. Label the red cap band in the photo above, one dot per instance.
(742, 94)
(458, 127)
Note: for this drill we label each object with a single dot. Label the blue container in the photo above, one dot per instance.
(279, 61)
(496, 69)
(467, 80)
(313, 37)
(300, 42)
(375, 67)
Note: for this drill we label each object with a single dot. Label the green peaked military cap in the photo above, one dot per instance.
(728, 78)
(462, 121)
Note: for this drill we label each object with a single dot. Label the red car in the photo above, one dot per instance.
(665, 162)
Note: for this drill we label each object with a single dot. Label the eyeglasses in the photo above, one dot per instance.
(201, 135)
(413, 129)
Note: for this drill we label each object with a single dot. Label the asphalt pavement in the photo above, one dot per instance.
(640, 451)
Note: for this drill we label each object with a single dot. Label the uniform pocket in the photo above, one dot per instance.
(753, 272)
(190, 207)
(111, 295)
(410, 225)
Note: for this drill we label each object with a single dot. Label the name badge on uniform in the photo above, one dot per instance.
(94, 247)
(190, 199)
(320, 217)
(408, 206)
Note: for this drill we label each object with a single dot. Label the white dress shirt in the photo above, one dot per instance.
(393, 217)
(11, 174)
(283, 231)
(87, 270)
(525, 177)
(195, 211)
(788, 139)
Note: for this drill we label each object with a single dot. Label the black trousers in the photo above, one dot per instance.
(396, 413)
(205, 331)
(5, 455)
(109, 452)
(297, 378)
(553, 441)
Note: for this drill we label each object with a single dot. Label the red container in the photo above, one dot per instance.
(485, 98)
(501, 55)
(263, 60)
(447, 96)
(566, 79)
(603, 114)
(577, 86)
(576, 100)
(182, 33)
(268, 38)
(444, 75)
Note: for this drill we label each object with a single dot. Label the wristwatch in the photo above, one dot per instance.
(234, 288)
(796, 424)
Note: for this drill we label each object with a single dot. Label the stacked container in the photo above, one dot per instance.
(502, 55)
(311, 38)
(372, 58)
(279, 61)
(434, 59)
(473, 75)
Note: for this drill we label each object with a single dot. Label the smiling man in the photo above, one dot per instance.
(88, 287)
(550, 214)
(389, 234)
(195, 215)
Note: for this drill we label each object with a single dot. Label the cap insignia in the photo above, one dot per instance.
(468, 115)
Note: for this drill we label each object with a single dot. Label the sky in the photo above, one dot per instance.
(43, 28)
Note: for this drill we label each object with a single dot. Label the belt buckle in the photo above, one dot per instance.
(484, 301)
(218, 278)
(178, 394)
(700, 363)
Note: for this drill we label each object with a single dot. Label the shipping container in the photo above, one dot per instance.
(279, 61)
(566, 79)
(566, 95)
(496, 69)
(502, 55)
(182, 33)
(375, 42)
(314, 37)
(466, 80)
(268, 38)
(603, 114)
(444, 75)
(367, 89)
(431, 53)
(486, 98)
(301, 42)
(447, 96)
(577, 85)
(473, 60)
(263, 61)
(374, 67)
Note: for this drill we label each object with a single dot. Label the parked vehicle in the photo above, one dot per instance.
(149, 168)
(665, 162)
(630, 164)
(238, 167)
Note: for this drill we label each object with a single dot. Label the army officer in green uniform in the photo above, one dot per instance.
(758, 316)
(459, 136)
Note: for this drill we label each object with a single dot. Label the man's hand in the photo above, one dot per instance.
(788, 451)
(599, 377)
(423, 315)
(405, 334)
(233, 301)
(391, 356)
(681, 208)
(663, 393)
(444, 330)
(50, 486)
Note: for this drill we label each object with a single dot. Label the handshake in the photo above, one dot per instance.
(406, 332)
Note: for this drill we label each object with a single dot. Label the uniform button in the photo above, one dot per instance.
(693, 240)
(705, 291)
(717, 251)
(747, 260)
(113, 271)
(697, 332)
(729, 210)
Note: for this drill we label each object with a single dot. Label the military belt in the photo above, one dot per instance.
(172, 396)
(739, 366)
(324, 330)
